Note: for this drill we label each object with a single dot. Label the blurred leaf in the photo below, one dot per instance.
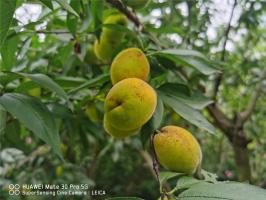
(35, 116)
(188, 113)
(145, 132)
(158, 114)
(97, 14)
(8, 52)
(124, 198)
(223, 190)
(72, 20)
(67, 7)
(208, 176)
(2, 120)
(48, 3)
(7, 9)
(46, 82)
(59, 110)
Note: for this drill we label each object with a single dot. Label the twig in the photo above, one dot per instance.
(130, 15)
(154, 156)
(253, 100)
(220, 76)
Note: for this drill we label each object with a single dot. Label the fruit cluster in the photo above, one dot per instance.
(131, 101)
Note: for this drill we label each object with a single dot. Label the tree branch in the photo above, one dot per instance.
(253, 100)
(221, 120)
(130, 15)
(220, 76)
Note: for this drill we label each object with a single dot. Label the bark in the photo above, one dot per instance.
(242, 162)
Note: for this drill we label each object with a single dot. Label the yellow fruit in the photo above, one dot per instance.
(175, 117)
(34, 91)
(110, 38)
(177, 150)
(92, 113)
(104, 49)
(112, 34)
(130, 63)
(136, 4)
(130, 104)
(90, 57)
(116, 132)
(58, 170)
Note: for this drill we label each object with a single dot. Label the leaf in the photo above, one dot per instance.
(184, 52)
(164, 176)
(124, 198)
(158, 114)
(99, 80)
(46, 82)
(97, 14)
(190, 58)
(34, 115)
(193, 99)
(67, 7)
(72, 20)
(188, 113)
(7, 9)
(8, 52)
(208, 176)
(48, 3)
(223, 190)
(186, 182)
(2, 120)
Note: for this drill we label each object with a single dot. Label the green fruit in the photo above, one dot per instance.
(90, 57)
(110, 38)
(130, 63)
(112, 34)
(92, 113)
(177, 150)
(136, 4)
(33, 91)
(130, 104)
(116, 132)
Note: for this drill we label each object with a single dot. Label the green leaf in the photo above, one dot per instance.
(72, 20)
(8, 52)
(67, 7)
(34, 115)
(223, 190)
(99, 80)
(97, 14)
(46, 82)
(164, 176)
(124, 198)
(2, 120)
(190, 58)
(183, 52)
(193, 99)
(186, 182)
(188, 113)
(158, 114)
(7, 9)
(48, 3)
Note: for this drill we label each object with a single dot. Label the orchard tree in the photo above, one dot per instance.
(154, 99)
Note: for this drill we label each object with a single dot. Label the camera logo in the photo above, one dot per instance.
(14, 189)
